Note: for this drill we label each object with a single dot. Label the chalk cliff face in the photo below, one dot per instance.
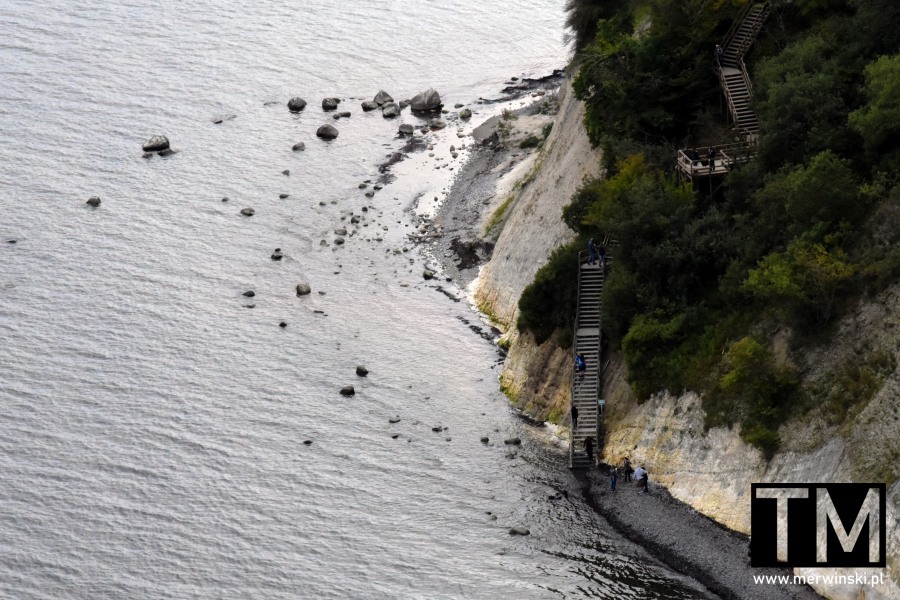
(710, 470)
(534, 226)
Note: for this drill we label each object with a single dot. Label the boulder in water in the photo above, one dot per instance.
(513, 441)
(406, 129)
(248, 212)
(327, 132)
(368, 105)
(347, 390)
(361, 371)
(390, 110)
(303, 289)
(426, 274)
(465, 114)
(157, 143)
(427, 101)
(93, 201)
(299, 147)
(296, 104)
(330, 103)
(249, 293)
(282, 324)
(519, 531)
(382, 98)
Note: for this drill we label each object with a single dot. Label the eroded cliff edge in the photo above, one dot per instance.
(709, 470)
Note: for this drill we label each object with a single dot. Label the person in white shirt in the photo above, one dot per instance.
(640, 478)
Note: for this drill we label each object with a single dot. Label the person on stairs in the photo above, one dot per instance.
(580, 366)
(589, 448)
(574, 417)
(601, 252)
(592, 252)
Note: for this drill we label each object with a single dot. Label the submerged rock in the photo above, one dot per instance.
(519, 531)
(296, 104)
(277, 255)
(394, 420)
(341, 115)
(283, 196)
(513, 441)
(340, 231)
(282, 324)
(327, 132)
(307, 442)
(156, 143)
(303, 289)
(485, 439)
(248, 212)
(348, 390)
(93, 201)
(249, 293)
(427, 101)
(339, 240)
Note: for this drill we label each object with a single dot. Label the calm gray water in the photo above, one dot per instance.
(151, 425)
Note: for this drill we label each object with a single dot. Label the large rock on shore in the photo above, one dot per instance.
(382, 98)
(296, 104)
(157, 143)
(330, 103)
(406, 129)
(427, 101)
(327, 132)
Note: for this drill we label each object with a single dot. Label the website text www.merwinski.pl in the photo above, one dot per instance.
(871, 580)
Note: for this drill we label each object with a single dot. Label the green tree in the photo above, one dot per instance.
(879, 120)
(807, 277)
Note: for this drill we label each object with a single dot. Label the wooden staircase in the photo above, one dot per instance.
(735, 83)
(586, 392)
(732, 70)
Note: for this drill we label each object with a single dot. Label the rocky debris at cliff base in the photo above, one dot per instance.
(685, 539)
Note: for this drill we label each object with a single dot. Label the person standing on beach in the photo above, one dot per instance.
(574, 417)
(640, 479)
(613, 477)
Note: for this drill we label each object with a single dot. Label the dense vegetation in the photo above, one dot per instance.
(708, 286)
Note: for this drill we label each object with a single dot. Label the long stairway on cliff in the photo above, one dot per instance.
(738, 92)
(587, 391)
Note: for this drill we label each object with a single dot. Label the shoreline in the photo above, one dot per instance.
(669, 529)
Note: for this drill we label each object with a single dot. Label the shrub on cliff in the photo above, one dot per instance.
(549, 302)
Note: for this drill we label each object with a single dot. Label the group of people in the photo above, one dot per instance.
(640, 476)
(596, 253)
